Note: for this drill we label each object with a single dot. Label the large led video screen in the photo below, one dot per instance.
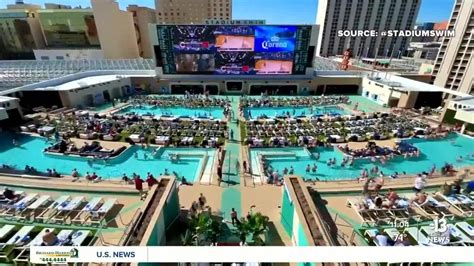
(233, 49)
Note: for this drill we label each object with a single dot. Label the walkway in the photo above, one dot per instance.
(231, 196)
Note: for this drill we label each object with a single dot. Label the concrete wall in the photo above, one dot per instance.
(407, 100)
(309, 84)
(118, 38)
(376, 92)
(94, 95)
(165, 215)
(7, 104)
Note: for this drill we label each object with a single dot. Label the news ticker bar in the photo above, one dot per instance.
(40, 254)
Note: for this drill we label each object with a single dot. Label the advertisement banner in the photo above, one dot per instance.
(275, 38)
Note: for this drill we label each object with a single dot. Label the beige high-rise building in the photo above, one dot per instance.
(117, 34)
(192, 11)
(20, 32)
(454, 67)
(142, 16)
(379, 15)
(69, 28)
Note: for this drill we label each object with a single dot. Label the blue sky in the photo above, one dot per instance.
(277, 11)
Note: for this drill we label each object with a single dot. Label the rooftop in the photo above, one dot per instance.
(81, 83)
(17, 73)
(465, 100)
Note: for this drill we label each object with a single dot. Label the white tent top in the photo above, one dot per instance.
(81, 83)
(407, 84)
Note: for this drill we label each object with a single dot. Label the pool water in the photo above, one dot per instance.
(215, 112)
(436, 152)
(294, 111)
(31, 153)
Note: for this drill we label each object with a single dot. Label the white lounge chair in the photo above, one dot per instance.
(32, 209)
(463, 204)
(135, 138)
(63, 236)
(467, 228)
(371, 233)
(5, 231)
(92, 206)
(15, 240)
(20, 205)
(38, 240)
(52, 209)
(79, 237)
(418, 236)
(97, 217)
(24, 252)
(432, 207)
(458, 234)
(21, 234)
(66, 209)
(368, 216)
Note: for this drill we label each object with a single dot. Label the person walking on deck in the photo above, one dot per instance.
(233, 215)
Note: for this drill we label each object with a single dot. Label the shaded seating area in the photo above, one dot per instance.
(332, 129)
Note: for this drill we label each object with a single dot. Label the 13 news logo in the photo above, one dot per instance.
(441, 233)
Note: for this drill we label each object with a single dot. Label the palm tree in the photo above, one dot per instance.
(254, 225)
(202, 230)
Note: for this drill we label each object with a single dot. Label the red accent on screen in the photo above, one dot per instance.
(205, 44)
(245, 68)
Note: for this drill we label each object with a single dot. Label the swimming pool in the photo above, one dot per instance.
(215, 112)
(294, 111)
(31, 153)
(436, 152)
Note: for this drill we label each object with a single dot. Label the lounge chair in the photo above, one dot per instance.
(432, 207)
(463, 204)
(63, 236)
(66, 209)
(460, 236)
(5, 230)
(20, 205)
(371, 233)
(393, 233)
(368, 216)
(418, 236)
(97, 217)
(79, 237)
(92, 206)
(38, 240)
(6, 203)
(466, 228)
(33, 208)
(24, 252)
(15, 239)
(135, 138)
(52, 209)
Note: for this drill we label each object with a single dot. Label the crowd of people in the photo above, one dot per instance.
(375, 152)
(190, 100)
(374, 128)
(269, 101)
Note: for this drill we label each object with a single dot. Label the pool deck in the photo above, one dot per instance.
(240, 192)
(122, 214)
